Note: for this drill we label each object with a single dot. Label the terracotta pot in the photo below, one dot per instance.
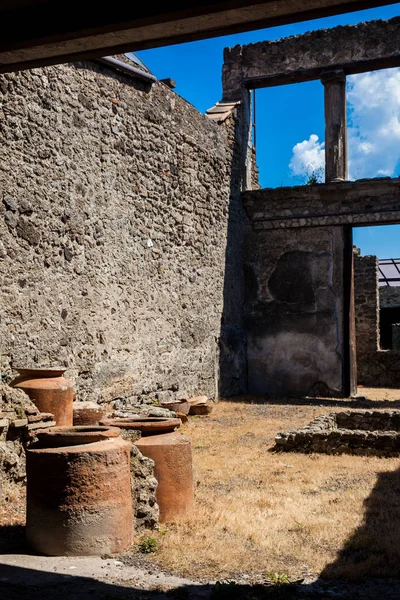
(146, 425)
(49, 391)
(87, 413)
(183, 418)
(201, 409)
(173, 470)
(79, 499)
(178, 407)
(59, 437)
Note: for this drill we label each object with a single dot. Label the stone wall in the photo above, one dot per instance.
(366, 302)
(19, 420)
(325, 204)
(120, 248)
(294, 311)
(375, 367)
(353, 48)
(360, 432)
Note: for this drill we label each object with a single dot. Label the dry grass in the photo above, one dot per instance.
(12, 517)
(258, 511)
(12, 504)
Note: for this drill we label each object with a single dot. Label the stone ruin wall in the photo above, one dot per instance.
(360, 432)
(366, 301)
(116, 205)
(375, 367)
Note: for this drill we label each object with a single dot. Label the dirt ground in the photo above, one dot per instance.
(261, 517)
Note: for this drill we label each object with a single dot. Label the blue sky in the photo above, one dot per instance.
(290, 119)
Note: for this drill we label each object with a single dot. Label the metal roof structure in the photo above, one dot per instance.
(389, 272)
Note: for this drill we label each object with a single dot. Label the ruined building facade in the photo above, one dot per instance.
(117, 202)
(136, 251)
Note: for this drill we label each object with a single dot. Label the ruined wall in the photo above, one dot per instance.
(375, 367)
(353, 48)
(116, 205)
(294, 315)
(366, 303)
(339, 203)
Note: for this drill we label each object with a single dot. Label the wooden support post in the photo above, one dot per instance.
(246, 141)
(336, 168)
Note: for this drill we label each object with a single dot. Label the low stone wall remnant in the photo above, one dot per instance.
(360, 432)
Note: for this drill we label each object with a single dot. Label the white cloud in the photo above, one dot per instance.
(308, 156)
(373, 128)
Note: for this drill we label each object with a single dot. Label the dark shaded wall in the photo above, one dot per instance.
(294, 318)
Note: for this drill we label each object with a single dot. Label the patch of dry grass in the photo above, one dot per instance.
(12, 504)
(12, 517)
(258, 511)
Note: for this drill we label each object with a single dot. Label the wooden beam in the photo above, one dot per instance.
(336, 168)
(43, 32)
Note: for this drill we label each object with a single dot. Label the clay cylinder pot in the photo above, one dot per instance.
(180, 406)
(146, 425)
(79, 497)
(49, 391)
(173, 470)
(87, 413)
(58, 437)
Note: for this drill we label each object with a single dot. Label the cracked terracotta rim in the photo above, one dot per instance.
(58, 437)
(146, 425)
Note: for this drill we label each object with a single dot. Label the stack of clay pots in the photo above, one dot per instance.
(79, 499)
(172, 455)
(79, 492)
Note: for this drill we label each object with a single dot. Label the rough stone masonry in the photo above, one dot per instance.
(116, 206)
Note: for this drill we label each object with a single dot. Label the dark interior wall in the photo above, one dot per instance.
(388, 316)
(294, 314)
(389, 304)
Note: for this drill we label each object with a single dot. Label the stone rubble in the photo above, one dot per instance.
(361, 432)
(19, 420)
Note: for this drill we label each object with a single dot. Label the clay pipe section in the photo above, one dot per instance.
(146, 425)
(79, 498)
(173, 470)
(49, 391)
(58, 437)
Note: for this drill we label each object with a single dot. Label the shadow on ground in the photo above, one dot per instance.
(367, 567)
(374, 548)
(18, 583)
(12, 539)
